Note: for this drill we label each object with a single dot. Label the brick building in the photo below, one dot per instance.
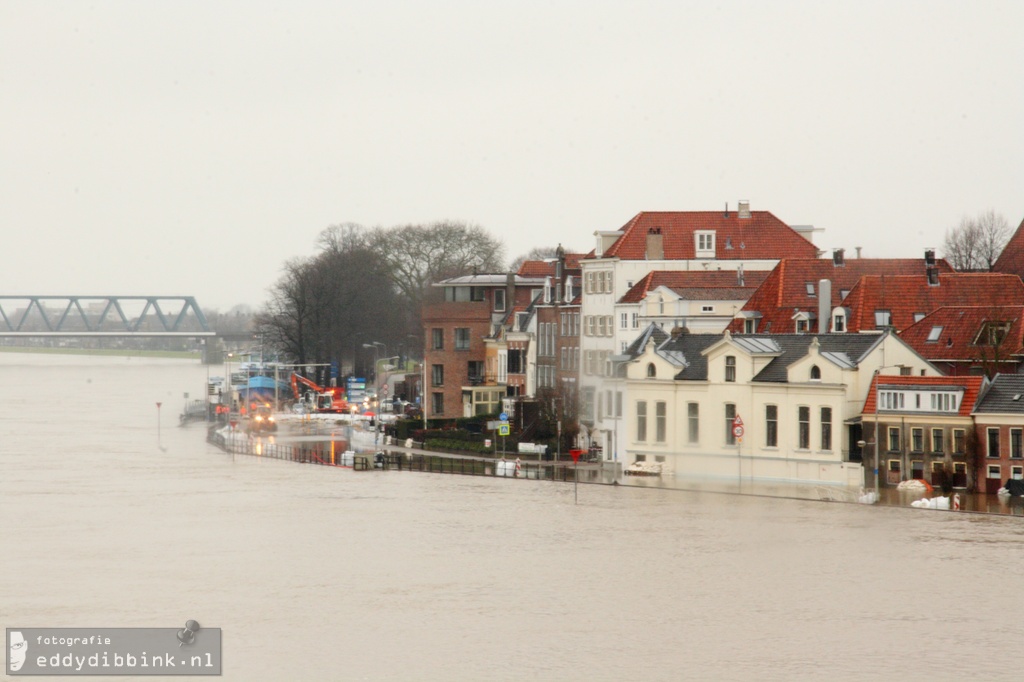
(467, 359)
(999, 420)
(922, 426)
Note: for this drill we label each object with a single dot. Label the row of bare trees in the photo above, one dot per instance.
(975, 244)
(366, 285)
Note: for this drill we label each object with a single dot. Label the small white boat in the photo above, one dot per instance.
(643, 469)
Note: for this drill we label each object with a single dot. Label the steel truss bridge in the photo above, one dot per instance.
(97, 316)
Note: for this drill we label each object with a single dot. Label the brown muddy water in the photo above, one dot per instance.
(113, 518)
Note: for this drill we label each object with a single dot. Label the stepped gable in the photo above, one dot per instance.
(958, 329)
(687, 283)
(905, 296)
(761, 236)
(784, 291)
(972, 389)
(546, 267)
(1011, 260)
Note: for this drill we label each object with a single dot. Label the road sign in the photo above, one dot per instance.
(575, 454)
(737, 431)
(503, 429)
(737, 421)
(503, 417)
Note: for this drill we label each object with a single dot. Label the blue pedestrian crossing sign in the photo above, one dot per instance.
(503, 430)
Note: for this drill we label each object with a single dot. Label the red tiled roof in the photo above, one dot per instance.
(546, 268)
(785, 290)
(691, 279)
(905, 295)
(761, 236)
(960, 326)
(971, 384)
(1011, 260)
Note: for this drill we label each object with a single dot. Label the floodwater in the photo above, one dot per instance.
(115, 516)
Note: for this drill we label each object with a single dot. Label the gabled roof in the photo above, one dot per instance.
(651, 331)
(697, 280)
(972, 386)
(846, 350)
(761, 236)
(905, 295)
(1011, 260)
(1004, 395)
(950, 332)
(785, 289)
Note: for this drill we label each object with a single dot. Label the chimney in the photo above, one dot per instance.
(743, 210)
(837, 257)
(739, 275)
(929, 258)
(933, 275)
(858, 251)
(655, 245)
(510, 290)
(727, 209)
(824, 305)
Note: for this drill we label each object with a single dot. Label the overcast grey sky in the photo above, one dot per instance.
(191, 148)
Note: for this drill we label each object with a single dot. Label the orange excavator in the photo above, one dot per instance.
(322, 399)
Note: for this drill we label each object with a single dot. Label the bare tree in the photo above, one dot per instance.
(418, 255)
(536, 253)
(976, 243)
(324, 308)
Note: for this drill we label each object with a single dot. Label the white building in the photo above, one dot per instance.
(799, 398)
(695, 241)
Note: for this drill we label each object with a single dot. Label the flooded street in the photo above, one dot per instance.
(115, 519)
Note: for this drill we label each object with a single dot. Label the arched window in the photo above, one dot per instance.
(815, 373)
(651, 371)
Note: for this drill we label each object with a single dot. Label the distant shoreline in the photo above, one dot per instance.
(123, 352)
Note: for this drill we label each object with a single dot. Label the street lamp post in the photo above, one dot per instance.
(227, 381)
(376, 355)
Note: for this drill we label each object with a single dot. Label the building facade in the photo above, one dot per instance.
(466, 358)
(702, 241)
(797, 397)
(923, 428)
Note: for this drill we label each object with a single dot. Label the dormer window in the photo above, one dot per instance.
(705, 243)
(883, 318)
(992, 333)
(815, 373)
(652, 371)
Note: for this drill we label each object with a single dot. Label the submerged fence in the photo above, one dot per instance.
(330, 454)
